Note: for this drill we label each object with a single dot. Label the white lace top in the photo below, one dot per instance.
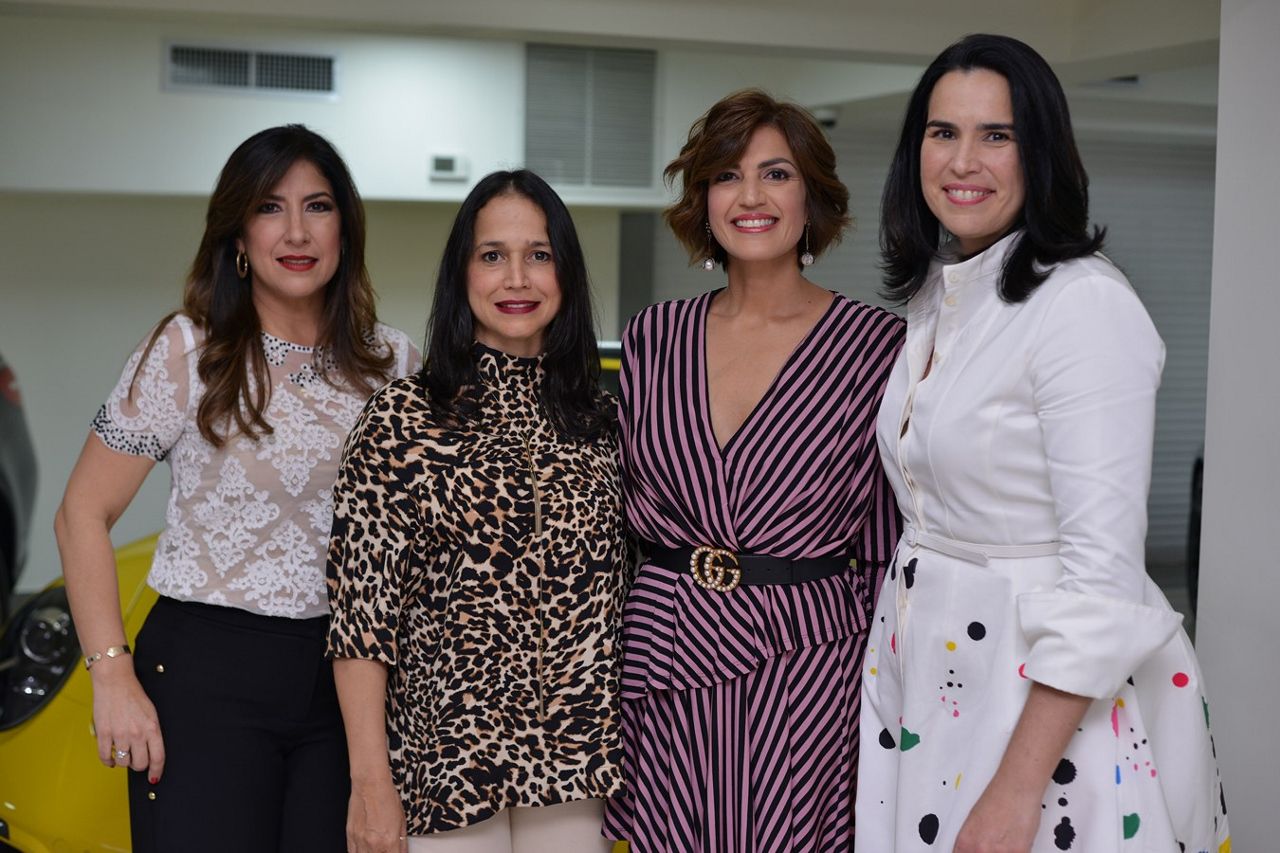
(247, 524)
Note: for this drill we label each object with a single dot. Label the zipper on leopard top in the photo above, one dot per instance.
(542, 683)
(537, 531)
(537, 493)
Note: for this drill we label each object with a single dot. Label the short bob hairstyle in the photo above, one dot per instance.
(570, 389)
(232, 365)
(1055, 215)
(716, 142)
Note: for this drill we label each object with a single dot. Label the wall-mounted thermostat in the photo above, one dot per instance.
(448, 167)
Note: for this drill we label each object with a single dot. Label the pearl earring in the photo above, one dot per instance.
(806, 260)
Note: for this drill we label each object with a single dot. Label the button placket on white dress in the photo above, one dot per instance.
(926, 352)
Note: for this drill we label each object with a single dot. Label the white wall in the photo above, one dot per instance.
(814, 27)
(1240, 587)
(96, 117)
(86, 111)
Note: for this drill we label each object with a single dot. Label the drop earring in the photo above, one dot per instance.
(709, 263)
(242, 264)
(806, 260)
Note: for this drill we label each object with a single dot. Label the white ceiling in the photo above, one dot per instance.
(1170, 45)
(1133, 34)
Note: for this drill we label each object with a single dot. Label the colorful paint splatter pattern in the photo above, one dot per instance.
(1111, 777)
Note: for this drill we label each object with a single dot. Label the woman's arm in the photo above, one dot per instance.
(101, 486)
(375, 816)
(375, 518)
(143, 419)
(1007, 815)
(1094, 373)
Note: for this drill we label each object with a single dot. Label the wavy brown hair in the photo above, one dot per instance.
(232, 364)
(716, 142)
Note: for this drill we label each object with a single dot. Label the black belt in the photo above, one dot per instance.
(723, 570)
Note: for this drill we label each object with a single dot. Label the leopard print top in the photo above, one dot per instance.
(486, 565)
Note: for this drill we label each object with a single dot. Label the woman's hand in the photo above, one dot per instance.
(101, 486)
(1007, 815)
(124, 719)
(1002, 821)
(375, 818)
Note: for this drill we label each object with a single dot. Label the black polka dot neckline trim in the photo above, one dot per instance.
(276, 349)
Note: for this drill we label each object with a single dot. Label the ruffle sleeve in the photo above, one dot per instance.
(1095, 371)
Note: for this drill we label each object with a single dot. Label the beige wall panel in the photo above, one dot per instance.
(1239, 585)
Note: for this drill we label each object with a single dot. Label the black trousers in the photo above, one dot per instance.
(256, 758)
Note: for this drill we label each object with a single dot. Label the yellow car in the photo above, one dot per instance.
(55, 796)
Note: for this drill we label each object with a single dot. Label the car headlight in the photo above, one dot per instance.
(38, 652)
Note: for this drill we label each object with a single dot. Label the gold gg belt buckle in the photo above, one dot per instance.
(715, 568)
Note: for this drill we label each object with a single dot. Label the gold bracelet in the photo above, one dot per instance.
(111, 652)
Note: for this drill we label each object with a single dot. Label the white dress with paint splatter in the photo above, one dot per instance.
(1021, 463)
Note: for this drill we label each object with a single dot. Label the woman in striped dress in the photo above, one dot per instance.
(752, 479)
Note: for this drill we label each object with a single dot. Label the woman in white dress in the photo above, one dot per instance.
(227, 714)
(1028, 686)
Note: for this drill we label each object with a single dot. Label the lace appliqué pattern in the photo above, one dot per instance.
(302, 440)
(231, 514)
(287, 576)
(188, 461)
(247, 524)
(175, 569)
(343, 408)
(320, 511)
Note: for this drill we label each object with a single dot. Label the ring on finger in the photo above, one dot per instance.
(121, 754)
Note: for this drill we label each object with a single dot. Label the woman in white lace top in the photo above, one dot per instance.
(226, 713)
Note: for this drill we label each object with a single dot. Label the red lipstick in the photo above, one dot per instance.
(514, 306)
(297, 263)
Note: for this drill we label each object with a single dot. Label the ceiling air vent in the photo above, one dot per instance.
(201, 67)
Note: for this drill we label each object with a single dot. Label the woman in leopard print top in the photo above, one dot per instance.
(478, 560)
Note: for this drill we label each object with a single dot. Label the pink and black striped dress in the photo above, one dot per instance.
(740, 709)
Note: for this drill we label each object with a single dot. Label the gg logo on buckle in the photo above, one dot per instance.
(715, 568)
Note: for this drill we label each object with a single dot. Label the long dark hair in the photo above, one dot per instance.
(232, 364)
(570, 392)
(1055, 214)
